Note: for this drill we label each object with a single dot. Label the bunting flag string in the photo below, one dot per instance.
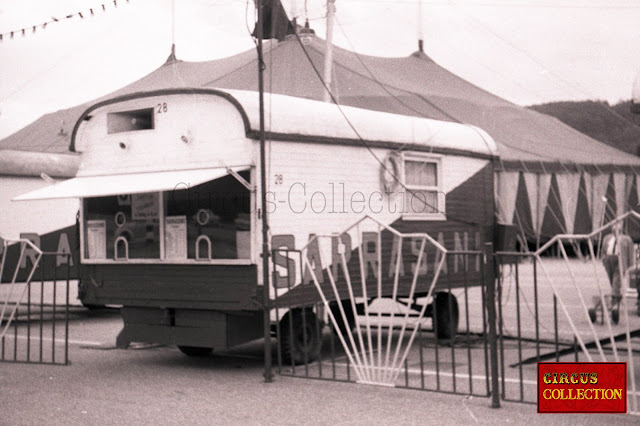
(9, 35)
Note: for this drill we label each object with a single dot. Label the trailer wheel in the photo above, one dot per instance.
(447, 315)
(300, 344)
(348, 311)
(83, 287)
(195, 351)
(615, 316)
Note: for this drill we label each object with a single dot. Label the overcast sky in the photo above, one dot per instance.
(527, 51)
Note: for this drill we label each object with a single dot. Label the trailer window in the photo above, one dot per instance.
(204, 223)
(129, 121)
(122, 227)
(424, 198)
(213, 219)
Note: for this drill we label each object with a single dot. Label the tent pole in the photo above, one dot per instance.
(294, 15)
(268, 377)
(420, 34)
(173, 23)
(328, 55)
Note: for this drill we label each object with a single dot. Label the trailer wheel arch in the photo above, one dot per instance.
(348, 311)
(447, 315)
(294, 348)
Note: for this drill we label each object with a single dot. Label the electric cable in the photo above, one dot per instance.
(361, 139)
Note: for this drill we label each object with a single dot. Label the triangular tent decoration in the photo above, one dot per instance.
(588, 187)
(522, 215)
(582, 220)
(598, 199)
(629, 186)
(610, 211)
(637, 208)
(507, 190)
(620, 183)
(538, 190)
(568, 185)
(553, 222)
(633, 223)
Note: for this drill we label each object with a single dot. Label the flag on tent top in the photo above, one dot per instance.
(276, 22)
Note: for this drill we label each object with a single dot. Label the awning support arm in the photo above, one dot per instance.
(240, 179)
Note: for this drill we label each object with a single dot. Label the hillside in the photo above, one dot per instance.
(614, 125)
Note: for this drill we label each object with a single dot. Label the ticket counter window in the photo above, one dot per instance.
(212, 218)
(122, 227)
(203, 223)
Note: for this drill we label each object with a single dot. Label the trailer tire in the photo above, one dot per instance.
(195, 351)
(615, 317)
(295, 349)
(447, 315)
(348, 312)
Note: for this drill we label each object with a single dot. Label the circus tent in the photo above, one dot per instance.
(550, 178)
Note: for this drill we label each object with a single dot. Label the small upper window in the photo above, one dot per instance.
(129, 121)
(424, 197)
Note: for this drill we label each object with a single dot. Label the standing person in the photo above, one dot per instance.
(618, 252)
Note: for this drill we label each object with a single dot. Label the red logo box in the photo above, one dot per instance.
(582, 387)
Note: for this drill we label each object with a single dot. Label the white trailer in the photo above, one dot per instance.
(170, 219)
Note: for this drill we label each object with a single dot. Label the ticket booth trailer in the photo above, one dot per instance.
(170, 219)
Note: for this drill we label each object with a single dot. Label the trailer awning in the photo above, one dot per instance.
(130, 183)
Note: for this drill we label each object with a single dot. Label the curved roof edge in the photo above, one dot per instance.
(288, 115)
(292, 115)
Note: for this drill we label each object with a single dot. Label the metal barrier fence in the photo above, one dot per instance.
(520, 342)
(34, 325)
(444, 334)
(545, 314)
(495, 331)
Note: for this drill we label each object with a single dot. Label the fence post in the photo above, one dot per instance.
(266, 315)
(489, 282)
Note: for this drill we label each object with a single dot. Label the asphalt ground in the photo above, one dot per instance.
(151, 384)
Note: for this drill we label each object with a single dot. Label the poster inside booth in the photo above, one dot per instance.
(175, 234)
(145, 206)
(96, 239)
